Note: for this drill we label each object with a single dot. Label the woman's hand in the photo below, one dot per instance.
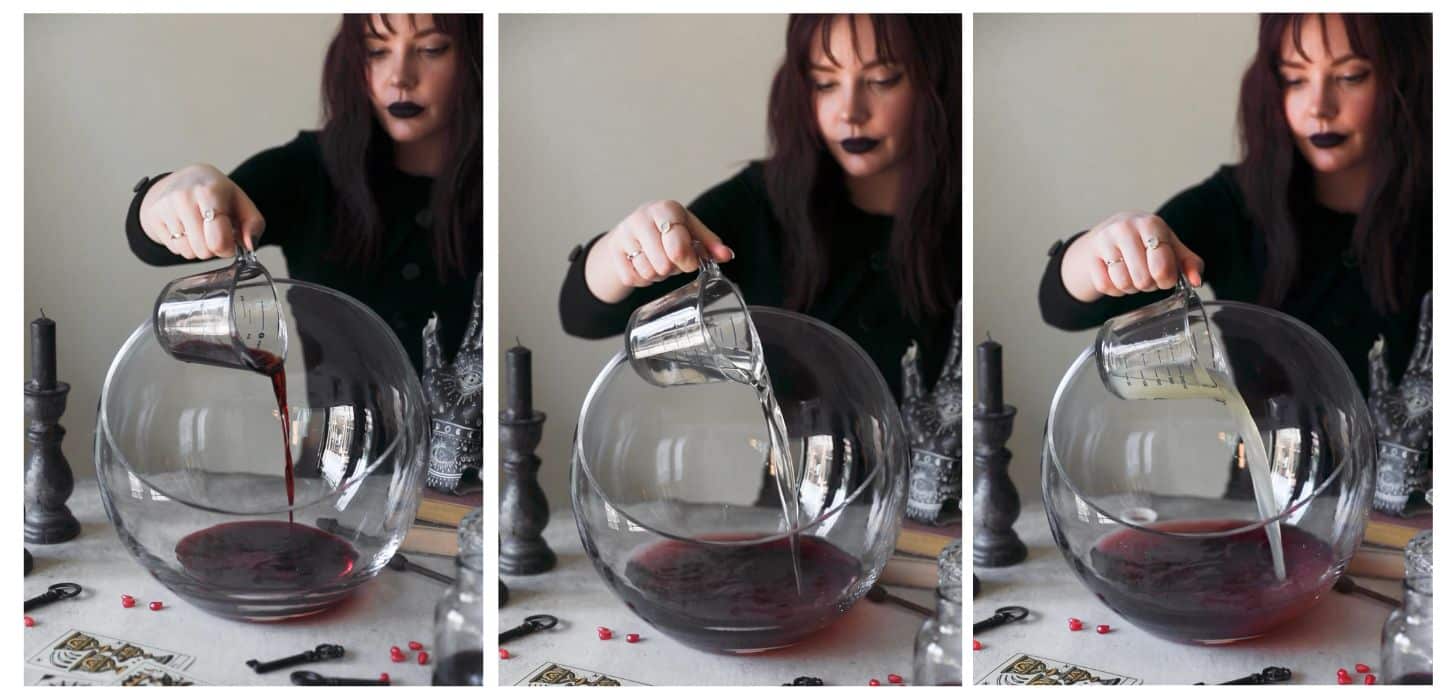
(653, 243)
(1130, 252)
(198, 213)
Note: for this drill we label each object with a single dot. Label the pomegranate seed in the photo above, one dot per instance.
(874, 681)
(975, 645)
(604, 630)
(633, 638)
(505, 654)
(1345, 680)
(895, 678)
(396, 655)
(604, 634)
(29, 621)
(1073, 621)
(1369, 679)
(416, 646)
(1342, 672)
(155, 605)
(394, 650)
(128, 601)
(1075, 625)
(1104, 629)
(423, 658)
(384, 677)
(1362, 668)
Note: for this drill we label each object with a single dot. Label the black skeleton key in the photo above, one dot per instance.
(1010, 613)
(1271, 674)
(534, 623)
(322, 652)
(57, 591)
(399, 563)
(311, 678)
(878, 594)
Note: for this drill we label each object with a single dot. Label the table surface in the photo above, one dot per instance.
(870, 641)
(1339, 632)
(392, 610)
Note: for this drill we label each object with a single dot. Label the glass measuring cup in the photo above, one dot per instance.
(227, 317)
(696, 334)
(1165, 350)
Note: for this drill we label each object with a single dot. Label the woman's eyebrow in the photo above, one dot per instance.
(1286, 63)
(829, 69)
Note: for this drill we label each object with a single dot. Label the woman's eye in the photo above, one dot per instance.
(824, 87)
(1355, 79)
(889, 82)
(1291, 82)
(376, 53)
(434, 50)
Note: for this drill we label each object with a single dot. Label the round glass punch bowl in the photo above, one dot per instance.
(191, 463)
(1152, 501)
(679, 506)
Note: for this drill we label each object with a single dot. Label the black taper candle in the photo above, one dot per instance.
(988, 376)
(43, 352)
(518, 380)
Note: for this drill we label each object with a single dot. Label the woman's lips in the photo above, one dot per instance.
(859, 145)
(405, 110)
(1327, 139)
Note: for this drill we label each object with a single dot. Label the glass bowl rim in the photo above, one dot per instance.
(896, 429)
(1087, 356)
(104, 421)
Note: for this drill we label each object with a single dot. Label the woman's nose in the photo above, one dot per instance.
(1324, 104)
(854, 109)
(402, 72)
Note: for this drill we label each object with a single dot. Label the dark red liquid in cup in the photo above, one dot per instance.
(258, 555)
(1215, 588)
(739, 597)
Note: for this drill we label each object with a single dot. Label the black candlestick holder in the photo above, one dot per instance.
(48, 478)
(997, 505)
(523, 508)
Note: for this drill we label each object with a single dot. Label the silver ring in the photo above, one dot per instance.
(664, 226)
(633, 255)
(1152, 243)
(175, 236)
(208, 214)
(1110, 263)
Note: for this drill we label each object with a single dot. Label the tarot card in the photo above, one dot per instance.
(1026, 669)
(153, 673)
(552, 673)
(92, 655)
(52, 679)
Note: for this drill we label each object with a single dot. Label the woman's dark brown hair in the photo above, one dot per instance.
(804, 181)
(357, 150)
(1392, 238)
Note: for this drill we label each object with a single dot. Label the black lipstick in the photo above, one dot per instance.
(1327, 139)
(859, 145)
(405, 110)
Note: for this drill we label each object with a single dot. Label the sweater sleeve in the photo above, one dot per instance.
(144, 248)
(1060, 309)
(585, 316)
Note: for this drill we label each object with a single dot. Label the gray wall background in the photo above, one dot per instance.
(1076, 117)
(599, 114)
(110, 98)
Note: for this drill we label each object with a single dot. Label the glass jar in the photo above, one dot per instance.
(1406, 656)
(938, 646)
(460, 614)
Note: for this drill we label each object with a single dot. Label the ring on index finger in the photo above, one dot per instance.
(664, 226)
(1110, 263)
(633, 255)
(1152, 243)
(208, 214)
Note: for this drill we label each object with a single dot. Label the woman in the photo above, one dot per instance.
(383, 204)
(1326, 218)
(855, 217)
